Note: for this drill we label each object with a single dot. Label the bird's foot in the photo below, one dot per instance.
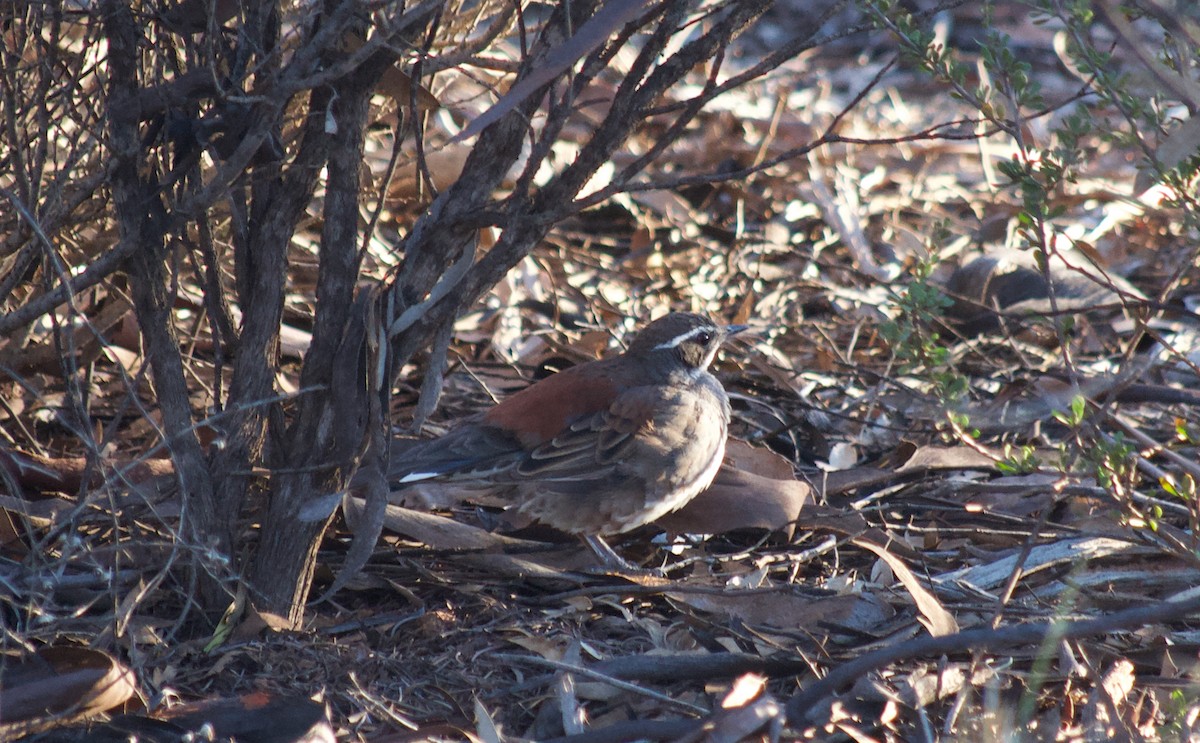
(612, 563)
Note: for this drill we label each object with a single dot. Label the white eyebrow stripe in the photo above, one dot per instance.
(681, 338)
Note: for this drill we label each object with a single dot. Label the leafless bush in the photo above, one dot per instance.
(163, 157)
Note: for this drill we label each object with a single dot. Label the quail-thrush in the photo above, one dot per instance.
(603, 447)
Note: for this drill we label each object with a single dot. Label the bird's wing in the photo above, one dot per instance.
(502, 437)
(472, 452)
(595, 447)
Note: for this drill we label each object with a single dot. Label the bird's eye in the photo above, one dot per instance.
(704, 338)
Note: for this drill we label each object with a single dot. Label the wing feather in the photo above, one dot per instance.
(595, 446)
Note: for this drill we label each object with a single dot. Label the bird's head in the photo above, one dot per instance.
(689, 339)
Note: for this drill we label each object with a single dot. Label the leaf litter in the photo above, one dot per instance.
(470, 624)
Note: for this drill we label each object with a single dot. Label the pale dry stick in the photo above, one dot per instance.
(842, 209)
(381, 705)
(633, 590)
(760, 153)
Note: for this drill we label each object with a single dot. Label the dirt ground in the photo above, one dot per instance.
(975, 518)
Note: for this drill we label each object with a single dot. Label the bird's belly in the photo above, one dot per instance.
(677, 464)
(697, 457)
(675, 499)
(667, 465)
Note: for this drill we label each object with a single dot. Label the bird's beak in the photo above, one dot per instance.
(735, 329)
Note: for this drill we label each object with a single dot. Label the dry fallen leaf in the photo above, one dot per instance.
(58, 684)
(934, 616)
(755, 488)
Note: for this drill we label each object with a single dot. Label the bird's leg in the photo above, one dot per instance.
(608, 556)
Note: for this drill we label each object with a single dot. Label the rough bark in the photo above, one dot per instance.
(317, 454)
(141, 219)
